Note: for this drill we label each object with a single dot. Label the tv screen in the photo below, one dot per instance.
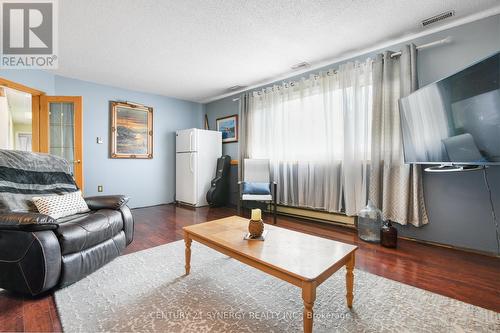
(455, 120)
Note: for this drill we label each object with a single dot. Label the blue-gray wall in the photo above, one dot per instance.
(457, 204)
(36, 79)
(147, 182)
(218, 109)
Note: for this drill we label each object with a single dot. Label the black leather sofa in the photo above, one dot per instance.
(38, 253)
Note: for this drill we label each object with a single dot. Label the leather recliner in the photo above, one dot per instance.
(38, 253)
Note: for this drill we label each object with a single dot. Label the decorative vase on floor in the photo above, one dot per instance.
(369, 223)
(388, 235)
(256, 225)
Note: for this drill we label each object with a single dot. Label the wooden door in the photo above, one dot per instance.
(61, 131)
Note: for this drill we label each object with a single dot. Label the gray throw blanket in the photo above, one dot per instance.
(24, 175)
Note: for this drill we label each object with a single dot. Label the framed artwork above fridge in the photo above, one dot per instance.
(229, 128)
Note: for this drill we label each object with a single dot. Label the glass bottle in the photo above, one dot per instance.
(369, 222)
(388, 235)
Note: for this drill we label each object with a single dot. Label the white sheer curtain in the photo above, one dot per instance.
(316, 132)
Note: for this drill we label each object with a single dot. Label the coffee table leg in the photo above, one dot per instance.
(349, 279)
(188, 241)
(309, 296)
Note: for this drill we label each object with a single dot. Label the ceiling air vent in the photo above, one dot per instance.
(235, 88)
(437, 18)
(300, 65)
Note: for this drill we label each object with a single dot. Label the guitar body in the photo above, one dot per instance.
(218, 194)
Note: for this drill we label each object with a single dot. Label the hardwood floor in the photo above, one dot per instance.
(468, 277)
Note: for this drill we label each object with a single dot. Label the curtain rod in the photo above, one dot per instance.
(446, 40)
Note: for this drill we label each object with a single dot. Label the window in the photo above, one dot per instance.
(317, 134)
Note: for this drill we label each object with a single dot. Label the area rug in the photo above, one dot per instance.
(147, 292)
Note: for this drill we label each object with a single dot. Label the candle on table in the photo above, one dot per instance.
(256, 214)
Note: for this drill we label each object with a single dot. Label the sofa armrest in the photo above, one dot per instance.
(30, 261)
(26, 221)
(106, 202)
(128, 224)
(115, 202)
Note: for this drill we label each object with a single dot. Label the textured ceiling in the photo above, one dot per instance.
(197, 49)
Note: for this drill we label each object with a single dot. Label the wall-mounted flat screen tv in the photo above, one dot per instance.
(455, 120)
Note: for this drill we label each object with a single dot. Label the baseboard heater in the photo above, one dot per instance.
(317, 215)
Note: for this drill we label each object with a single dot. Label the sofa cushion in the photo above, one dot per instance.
(82, 231)
(76, 266)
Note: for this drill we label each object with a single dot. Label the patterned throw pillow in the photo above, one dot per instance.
(57, 206)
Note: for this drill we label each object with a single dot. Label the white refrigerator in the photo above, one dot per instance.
(196, 157)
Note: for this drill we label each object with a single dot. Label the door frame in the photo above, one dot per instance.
(35, 109)
(40, 115)
(78, 130)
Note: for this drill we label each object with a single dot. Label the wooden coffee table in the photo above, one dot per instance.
(300, 259)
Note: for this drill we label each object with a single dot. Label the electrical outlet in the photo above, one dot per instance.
(99, 140)
(100, 188)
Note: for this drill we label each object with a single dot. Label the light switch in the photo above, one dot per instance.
(100, 188)
(99, 140)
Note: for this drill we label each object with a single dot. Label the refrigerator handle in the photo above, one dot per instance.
(191, 141)
(191, 162)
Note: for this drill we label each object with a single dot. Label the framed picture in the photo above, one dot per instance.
(131, 130)
(229, 128)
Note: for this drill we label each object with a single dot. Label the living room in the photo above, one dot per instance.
(250, 166)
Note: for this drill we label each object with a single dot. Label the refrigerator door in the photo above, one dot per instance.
(185, 180)
(210, 149)
(186, 140)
